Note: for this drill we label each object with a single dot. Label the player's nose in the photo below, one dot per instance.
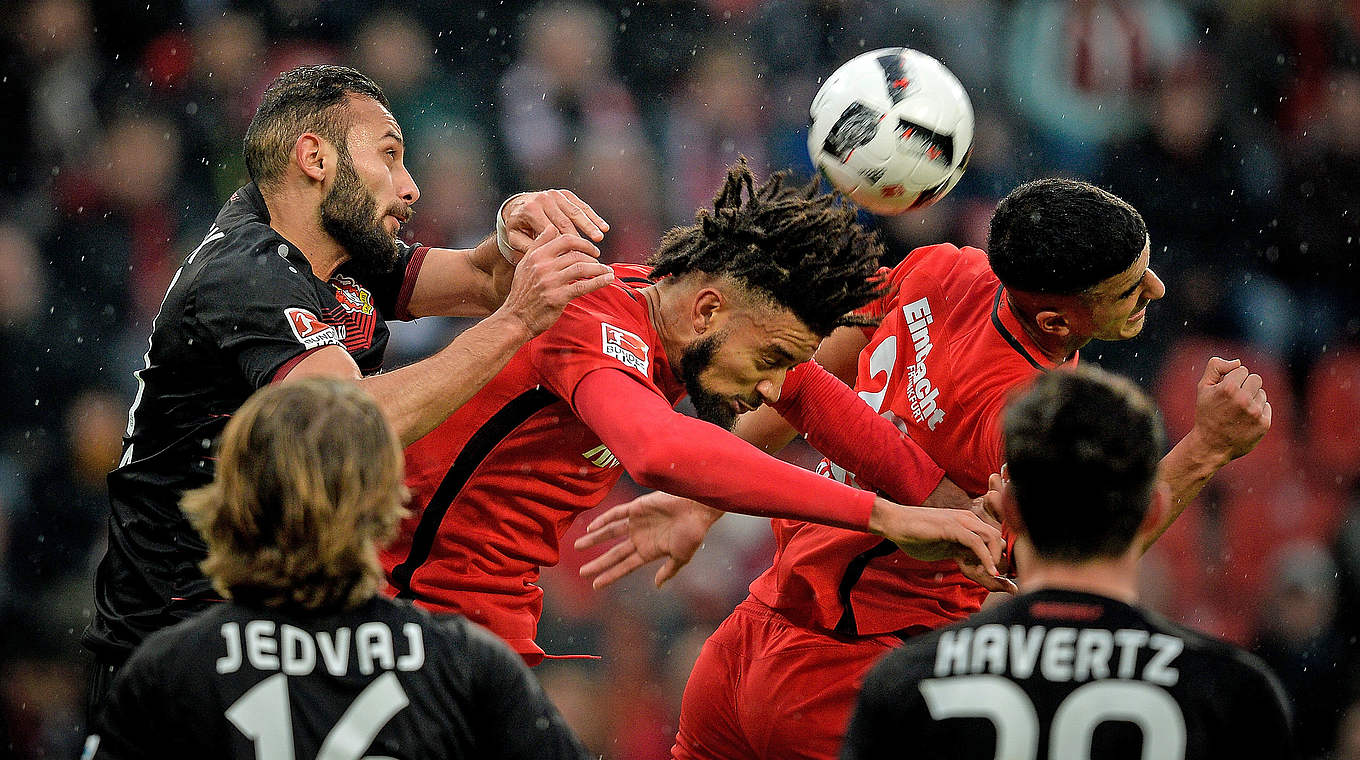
(770, 388)
(1153, 288)
(406, 187)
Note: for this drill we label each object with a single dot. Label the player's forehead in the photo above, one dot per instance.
(370, 120)
(779, 332)
(1117, 286)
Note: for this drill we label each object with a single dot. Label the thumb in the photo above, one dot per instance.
(1217, 368)
(667, 571)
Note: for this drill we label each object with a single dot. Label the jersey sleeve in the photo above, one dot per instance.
(840, 425)
(260, 312)
(591, 336)
(516, 720)
(392, 291)
(668, 451)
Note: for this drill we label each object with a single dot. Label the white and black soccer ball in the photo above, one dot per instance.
(892, 129)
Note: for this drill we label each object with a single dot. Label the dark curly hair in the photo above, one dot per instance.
(799, 247)
(1062, 236)
(304, 99)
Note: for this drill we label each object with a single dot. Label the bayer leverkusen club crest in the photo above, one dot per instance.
(310, 331)
(624, 346)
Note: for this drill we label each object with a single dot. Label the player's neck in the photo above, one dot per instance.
(1114, 578)
(296, 221)
(1057, 348)
(663, 303)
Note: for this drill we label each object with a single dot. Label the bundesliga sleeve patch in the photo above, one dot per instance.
(310, 331)
(624, 346)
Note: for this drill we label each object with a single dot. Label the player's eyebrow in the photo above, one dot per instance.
(783, 353)
(395, 135)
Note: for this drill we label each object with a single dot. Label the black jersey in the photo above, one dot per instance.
(243, 309)
(385, 680)
(1060, 674)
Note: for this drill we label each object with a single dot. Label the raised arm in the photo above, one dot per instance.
(1231, 416)
(419, 396)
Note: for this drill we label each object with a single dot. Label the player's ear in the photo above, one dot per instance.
(1157, 510)
(1010, 509)
(708, 302)
(310, 155)
(1054, 322)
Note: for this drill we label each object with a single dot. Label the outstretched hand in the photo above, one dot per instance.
(652, 526)
(931, 535)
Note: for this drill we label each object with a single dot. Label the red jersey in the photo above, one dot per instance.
(497, 484)
(941, 365)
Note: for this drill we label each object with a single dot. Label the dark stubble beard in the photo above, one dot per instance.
(350, 216)
(710, 406)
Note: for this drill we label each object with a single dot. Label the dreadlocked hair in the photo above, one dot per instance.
(802, 249)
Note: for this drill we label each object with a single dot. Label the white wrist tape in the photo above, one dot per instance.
(502, 239)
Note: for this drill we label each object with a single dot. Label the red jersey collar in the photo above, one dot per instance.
(1008, 325)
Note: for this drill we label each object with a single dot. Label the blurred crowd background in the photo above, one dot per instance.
(1233, 126)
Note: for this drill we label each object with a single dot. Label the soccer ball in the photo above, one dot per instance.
(892, 129)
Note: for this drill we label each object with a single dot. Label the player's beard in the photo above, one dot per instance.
(710, 406)
(349, 214)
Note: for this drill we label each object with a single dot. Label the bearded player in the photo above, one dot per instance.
(732, 305)
(961, 330)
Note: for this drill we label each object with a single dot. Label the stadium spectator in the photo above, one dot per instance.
(306, 658)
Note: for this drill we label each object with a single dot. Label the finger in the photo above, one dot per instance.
(587, 210)
(989, 582)
(614, 513)
(1235, 378)
(974, 543)
(575, 246)
(1265, 414)
(1217, 368)
(552, 204)
(1252, 384)
(523, 240)
(582, 221)
(616, 572)
(616, 554)
(667, 571)
(590, 285)
(581, 270)
(594, 537)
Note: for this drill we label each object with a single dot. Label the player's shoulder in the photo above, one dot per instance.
(1217, 655)
(945, 268)
(180, 647)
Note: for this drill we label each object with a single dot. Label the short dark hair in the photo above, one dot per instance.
(801, 248)
(1062, 236)
(1081, 450)
(305, 99)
